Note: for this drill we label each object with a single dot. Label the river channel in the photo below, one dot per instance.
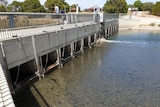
(123, 71)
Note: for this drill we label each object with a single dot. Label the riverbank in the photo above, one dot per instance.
(139, 22)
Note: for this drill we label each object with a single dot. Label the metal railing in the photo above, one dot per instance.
(111, 16)
(13, 22)
(23, 20)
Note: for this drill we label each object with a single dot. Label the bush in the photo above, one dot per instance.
(152, 24)
(2, 8)
(156, 9)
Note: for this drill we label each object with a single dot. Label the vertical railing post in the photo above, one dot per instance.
(11, 21)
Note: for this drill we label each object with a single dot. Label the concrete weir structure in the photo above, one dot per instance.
(27, 53)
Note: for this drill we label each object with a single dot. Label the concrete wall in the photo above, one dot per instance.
(18, 49)
(110, 23)
(21, 50)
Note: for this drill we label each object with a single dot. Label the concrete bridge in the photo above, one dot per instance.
(29, 50)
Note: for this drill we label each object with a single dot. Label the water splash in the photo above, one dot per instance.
(130, 42)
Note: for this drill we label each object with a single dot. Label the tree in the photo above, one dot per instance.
(115, 6)
(32, 6)
(3, 2)
(74, 6)
(156, 9)
(147, 6)
(138, 4)
(2, 8)
(130, 6)
(50, 5)
(15, 6)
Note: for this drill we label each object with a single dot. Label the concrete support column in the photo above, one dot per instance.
(72, 50)
(72, 19)
(59, 61)
(111, 30)
(95, 37)
(89, 41)
(39, 72)
(82, 45)
(105, 31)
(76, 18)
(67, 19)
(108, 31)
(107, 34)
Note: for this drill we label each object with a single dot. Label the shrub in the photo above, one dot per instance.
(152, 24)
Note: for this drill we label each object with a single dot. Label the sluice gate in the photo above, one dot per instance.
(29, 57)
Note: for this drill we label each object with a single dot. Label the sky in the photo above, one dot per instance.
(90, 3)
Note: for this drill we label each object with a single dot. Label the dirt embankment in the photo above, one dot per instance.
(139, 22)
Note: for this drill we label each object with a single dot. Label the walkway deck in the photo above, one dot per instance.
(5, 95)
(39, 30)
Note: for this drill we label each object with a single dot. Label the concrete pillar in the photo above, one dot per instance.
(95, 37)
(72, 19)
(116, 28)
(82, 45)
(72, 50)
(113, 29)
(67, 19)
(59, 61)
(39, 72)
(109, 30)
(76, 18)
(105, 32)
(89, 41)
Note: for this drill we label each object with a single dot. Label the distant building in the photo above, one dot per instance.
(133, 9)
(92, 9)
(73, 9)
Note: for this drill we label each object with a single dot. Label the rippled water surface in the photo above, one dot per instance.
(121, 72)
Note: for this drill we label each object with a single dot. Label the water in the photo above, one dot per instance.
(121, 72)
